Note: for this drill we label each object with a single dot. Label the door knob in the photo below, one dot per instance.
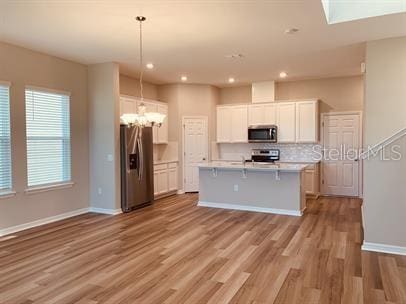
(204, 158)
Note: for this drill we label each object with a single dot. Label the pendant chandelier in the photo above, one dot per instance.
(142, 118)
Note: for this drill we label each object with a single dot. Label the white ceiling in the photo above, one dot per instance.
(192, 37)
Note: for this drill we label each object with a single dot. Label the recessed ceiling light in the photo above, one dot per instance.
(183, 78)
(150, 66)
(283, 74)
(231, 80)
(291, 30)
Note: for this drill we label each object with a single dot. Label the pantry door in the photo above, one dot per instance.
(195, 150)
(340, 166)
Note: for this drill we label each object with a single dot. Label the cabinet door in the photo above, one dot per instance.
(156, 181)
(239, 124)
(151, 107)
(163, 130)
(255, 115)
(223, 124)
(269, 112)
(162, 182)
(306, 121)
(309, 181)
(173, 179)
(127, 106)
(286, 122)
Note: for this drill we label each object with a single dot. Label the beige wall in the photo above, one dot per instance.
(384, 206)
(104, 125)
(235, 95)
(24, 67)
(189, 100)
(336, 94)
(131, 86)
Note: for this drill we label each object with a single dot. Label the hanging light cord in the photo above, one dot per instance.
(141, 64)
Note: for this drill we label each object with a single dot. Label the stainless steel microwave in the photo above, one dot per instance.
(262, 133)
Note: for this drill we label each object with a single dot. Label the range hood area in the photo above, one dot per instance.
(263, 91)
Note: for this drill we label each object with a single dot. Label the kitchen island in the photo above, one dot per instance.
(270, 188)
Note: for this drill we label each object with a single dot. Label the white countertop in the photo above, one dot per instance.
(277, 162)
(283, 167)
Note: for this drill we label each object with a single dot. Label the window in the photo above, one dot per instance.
(48, 137)
(5, 142)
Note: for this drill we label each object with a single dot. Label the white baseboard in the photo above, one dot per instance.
(180, 192)
(250, 208)
(105, 211)
(43, 221)
(56, 218)
(376, 247)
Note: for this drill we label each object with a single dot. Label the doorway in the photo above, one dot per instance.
(341, 136)
(195, 150)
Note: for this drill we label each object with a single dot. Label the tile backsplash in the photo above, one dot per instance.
(289, 152)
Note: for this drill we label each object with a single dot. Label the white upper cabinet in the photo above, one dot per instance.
(270, 114)
(239, 124)
(262, 114)
(286, 122)
(307, 121)
(232, 124)
(223, 124)
(130, 105)
(297, 121)
(127, 106)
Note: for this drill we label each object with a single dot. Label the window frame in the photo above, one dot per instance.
(9, 192)
(58, 184)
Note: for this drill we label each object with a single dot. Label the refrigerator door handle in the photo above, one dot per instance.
(141, 159)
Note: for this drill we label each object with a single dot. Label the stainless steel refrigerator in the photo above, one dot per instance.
(137, 177)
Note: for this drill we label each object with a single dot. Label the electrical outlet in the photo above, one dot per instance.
(110, 157)
(236, 188)
(99, 191)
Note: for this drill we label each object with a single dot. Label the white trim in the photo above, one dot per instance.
(105, 211)
(250, 208)
(376, 247)
(183, 143)
(361, 140)
(7, 194)
(6, 84)
(47, 90)
(180, 191)
(43, 221)
(50, 187)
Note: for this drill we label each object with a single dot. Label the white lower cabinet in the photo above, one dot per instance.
(312, 180)
(173, 179)
(165, 178)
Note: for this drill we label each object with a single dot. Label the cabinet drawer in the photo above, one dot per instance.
(172, 165)
(160, 167)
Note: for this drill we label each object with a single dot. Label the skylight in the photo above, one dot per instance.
(337, 11)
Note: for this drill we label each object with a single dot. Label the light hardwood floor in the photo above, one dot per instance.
(176, 252)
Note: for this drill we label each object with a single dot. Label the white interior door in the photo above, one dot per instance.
(341, 137)
(195, 141)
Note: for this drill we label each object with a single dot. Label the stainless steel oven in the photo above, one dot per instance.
(262, 133)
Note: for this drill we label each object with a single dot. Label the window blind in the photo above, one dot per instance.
(5, 142)
(48, 137)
